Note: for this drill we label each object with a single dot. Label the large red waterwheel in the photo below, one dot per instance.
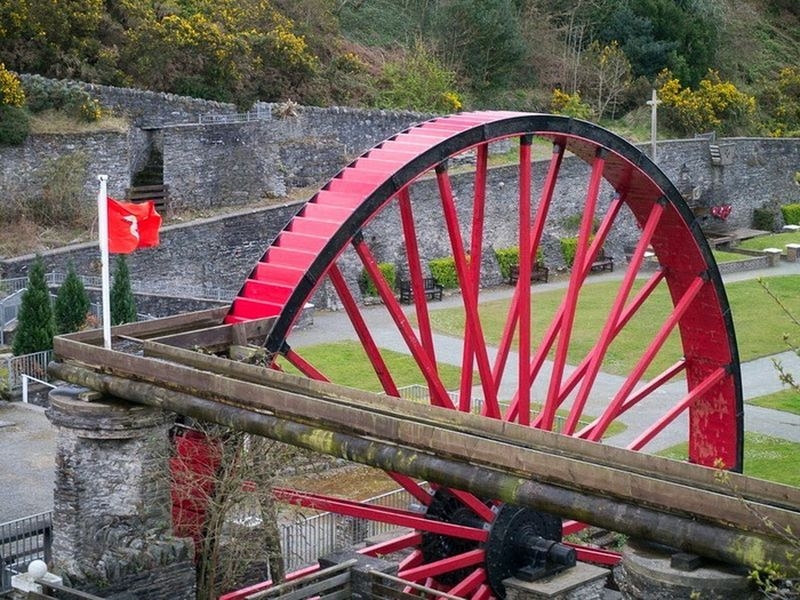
(463, 544)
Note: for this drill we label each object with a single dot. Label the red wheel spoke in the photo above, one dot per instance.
(490, 404)
(302, 365)
(382, 514)
(554, 329)
(612, 410)
(445, 565)
(541, 217)
(611, 327)
(419, 493)
(630, 310)
(484, 593)
(524, 281)
(698, 392)
(469, 584)
(412, 560)
(662, 379)
(477, 506)
(415, 273)
(476, 252)
(410, 540)
(575, 283)
(364, 336)
(439, 394)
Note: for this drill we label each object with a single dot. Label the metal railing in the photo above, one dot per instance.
(260, 113)
(308, 538)
(13, 369)
(21, 542)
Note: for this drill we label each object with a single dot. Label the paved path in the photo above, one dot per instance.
(27, 441)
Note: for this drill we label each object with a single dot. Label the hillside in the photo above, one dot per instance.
(432, 55)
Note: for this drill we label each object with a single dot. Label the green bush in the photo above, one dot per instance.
(791, 214)
(444, 270)
(507, 258)
(569, 247)
(763, 219)
(14, 125)
(367, 286)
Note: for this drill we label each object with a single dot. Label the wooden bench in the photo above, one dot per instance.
(433, 290)
(159, 194)
(603, 262)
(539, 272)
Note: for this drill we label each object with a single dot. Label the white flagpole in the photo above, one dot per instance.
(102, 216)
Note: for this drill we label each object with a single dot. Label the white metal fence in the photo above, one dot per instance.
(14, 369)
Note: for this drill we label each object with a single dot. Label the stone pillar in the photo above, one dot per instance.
(112, 529)
(650, 571)
(792, 252)
(773, 256)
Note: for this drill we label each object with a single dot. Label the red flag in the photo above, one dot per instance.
(132, 225)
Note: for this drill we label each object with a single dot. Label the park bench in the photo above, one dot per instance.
(539, 272)
(159, 194)
(603, 262)
(433, 290)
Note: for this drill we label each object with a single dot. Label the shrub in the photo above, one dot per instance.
(764, 219)
(61, 200)
(367, 285)
(791, 214)
(569, 247)
(419, 82)
(14, 125)
(47, 95)
(444, 270)
(507, 258)
(123, 303)
(72, 304)
(36, 326)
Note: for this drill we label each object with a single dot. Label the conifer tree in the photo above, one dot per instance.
(123, 304)
(72, 303)
(35, 324)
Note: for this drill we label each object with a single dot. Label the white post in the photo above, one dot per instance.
(24, 388)
(653, 104)
(102, 217)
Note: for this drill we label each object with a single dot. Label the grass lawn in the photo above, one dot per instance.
(786, 400)
(346, 363)
(759, 323)
(723, 257)
(765, 457)
(775, 240)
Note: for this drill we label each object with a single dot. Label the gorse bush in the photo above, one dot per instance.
(715, 105)
(570, 105)
(11, 92)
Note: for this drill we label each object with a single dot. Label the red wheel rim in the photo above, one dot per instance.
(312, 246)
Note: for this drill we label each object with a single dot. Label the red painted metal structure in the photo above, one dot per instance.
(308, 251)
